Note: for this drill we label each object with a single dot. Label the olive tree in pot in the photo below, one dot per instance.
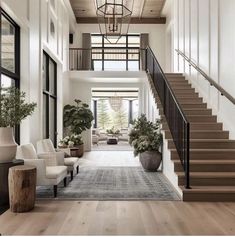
(13, 109)
(78, 118)
(146, 138)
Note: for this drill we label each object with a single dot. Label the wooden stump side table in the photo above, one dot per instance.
(22, 188)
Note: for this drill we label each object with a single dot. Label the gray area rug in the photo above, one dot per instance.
(114, 183)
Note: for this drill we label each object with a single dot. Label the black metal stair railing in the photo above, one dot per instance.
(175, 117)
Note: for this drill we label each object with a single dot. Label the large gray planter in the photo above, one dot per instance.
(150, 160)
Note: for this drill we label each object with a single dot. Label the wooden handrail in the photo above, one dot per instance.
(208, 78)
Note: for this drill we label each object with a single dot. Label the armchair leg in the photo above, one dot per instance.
(55, 191)
(77, 169)
(71, 175)
(65, 181)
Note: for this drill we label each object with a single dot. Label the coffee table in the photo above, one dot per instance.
(112, 140)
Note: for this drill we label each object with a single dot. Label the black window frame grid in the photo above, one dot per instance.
(127, 52)
(3, 71)
(50, 95)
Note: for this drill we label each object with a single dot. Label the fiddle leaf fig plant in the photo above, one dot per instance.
(78, 117)
(13, 108)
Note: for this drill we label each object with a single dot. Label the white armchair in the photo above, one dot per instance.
(46, 145)
(48, 171)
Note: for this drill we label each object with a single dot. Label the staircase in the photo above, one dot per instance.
(212, 153)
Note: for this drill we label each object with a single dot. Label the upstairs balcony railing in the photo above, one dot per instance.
(107, 59)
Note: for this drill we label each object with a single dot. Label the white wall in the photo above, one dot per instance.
(204, 31)
(168, 12)
(156, 36)
(34, 18)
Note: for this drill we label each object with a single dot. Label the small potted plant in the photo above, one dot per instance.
(71, 141)
(146, 138)
(78, 118)
(13, 109)
(63, 143)
(78, 142)
(113, 132)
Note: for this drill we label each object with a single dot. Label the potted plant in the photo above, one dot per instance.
(113, 132)
(71, 141)
(13, 109)
(63, 143)
(78, 118)
(146, 138)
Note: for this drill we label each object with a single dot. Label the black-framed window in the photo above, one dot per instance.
(10, 56)
(122, 56)
(49, 98)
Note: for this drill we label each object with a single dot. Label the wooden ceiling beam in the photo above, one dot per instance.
(135, 20)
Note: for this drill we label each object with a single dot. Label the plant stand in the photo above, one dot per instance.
(74, 151)
(4, 193)
(22, 188)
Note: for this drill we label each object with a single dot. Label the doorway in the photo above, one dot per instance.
(114, 111)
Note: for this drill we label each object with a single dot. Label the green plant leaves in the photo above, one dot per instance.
(13, 108)
(77, 118)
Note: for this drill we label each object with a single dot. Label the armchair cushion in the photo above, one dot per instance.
(65, 150)
(45, 145)
(60, 157)
(26, 151)
(70, 161)
(49, 157)
(40, 165)
(55, 172)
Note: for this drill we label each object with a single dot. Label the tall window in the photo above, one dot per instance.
(123, 56)
(49, 98)
(10, 56)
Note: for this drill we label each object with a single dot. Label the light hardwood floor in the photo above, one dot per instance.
(54, 217)
(121, 218)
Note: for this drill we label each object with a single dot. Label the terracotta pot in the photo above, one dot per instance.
(150, 160)
(81, 150)
(8, 145)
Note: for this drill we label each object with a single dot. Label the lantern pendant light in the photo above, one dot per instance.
(114, 18)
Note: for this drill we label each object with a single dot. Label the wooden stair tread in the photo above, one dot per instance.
(200, 115)
(209, 140)
(209, 174)
(217, 162)
(197, 109)
(211, 189)
(208, 150)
